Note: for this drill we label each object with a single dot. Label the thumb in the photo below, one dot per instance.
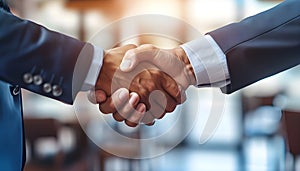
(140, 54)
(129, 61)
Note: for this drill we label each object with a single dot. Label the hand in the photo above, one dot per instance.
(107, 105)
(174, 62)
(144, 82)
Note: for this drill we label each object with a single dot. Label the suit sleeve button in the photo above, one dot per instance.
(47, 87)
(37, 80)
(27, 78)
(56, 91)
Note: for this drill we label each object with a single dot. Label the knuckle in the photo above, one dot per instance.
(157, 73)
(117, 117)
(147, 118)
(103, 109)
(131, 45)
(143, 94)
(162, 115)
(134, 117)
(130, 124)
(151, 86)
(111, 106)
(171, 108)
(151, 124)
(174, 86)
(148, 46)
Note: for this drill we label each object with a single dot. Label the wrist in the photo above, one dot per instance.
(188, 69)
(106, 73)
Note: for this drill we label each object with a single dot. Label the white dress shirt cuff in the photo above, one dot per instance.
(208, 61)
(94, 70)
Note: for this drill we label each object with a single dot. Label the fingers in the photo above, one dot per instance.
(148, 119)
(170, 106)
(173, 89)
(98, 96)
(123, 107)
(118, 117)
(136, 116)
(135, 56)
(161, 102)
(128, 112)
(117, 100)
(129, 107)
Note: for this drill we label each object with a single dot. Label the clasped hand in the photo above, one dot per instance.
(141, 84)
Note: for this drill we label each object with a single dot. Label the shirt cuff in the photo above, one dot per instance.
(208, 61)
(91, 78)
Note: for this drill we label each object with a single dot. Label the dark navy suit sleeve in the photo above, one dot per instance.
(261, 45)
(28, 48)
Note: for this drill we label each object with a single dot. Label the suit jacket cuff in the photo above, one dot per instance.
(208, 61)
(94, 70)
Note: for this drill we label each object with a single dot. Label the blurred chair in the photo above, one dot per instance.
(36, 130)
(260, 116)
(262, 121)
(250, 103)
(291, 128)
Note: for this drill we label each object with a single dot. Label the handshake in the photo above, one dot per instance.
(141, 84)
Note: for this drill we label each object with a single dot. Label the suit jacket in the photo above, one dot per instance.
(261, 45)
(41, 61)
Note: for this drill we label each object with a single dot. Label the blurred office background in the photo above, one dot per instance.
(259, 129)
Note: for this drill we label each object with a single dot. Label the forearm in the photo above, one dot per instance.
(261, 45)
(242, 53)
(208, 62)
(28, 48)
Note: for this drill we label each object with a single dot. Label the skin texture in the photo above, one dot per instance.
(174, 62)
(151, 92)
